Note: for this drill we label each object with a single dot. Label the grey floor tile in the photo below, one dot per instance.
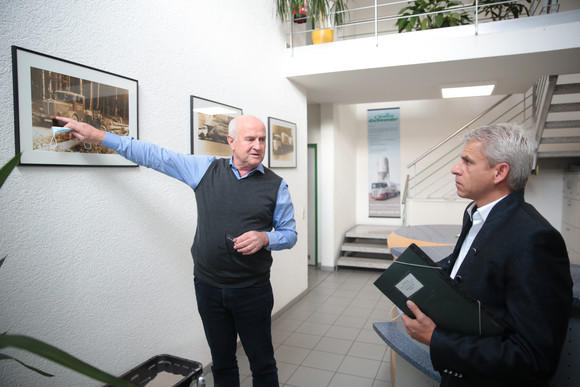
(285, 370)
(351, 321)
(334, 300)
(297, 314)
(370, 336)
(310, 377)
(334, 345)
(313, 328)
(368, 351)
(357, 311)
(357, 366)
(340, 332)
(323, 318)
(361, 303)
(279, 336)
(291, 355)
(343, 380)
(330, 308)
(302, 340)
(384, 372)
(323, 360)
(286, 324)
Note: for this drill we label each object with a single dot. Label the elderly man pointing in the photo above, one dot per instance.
(244, 212)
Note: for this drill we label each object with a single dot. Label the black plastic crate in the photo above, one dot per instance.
(146, 372)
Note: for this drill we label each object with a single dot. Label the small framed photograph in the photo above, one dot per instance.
(46, 87)
(282, 144)
(209, 127)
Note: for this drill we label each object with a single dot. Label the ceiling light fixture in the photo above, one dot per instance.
(467, 91)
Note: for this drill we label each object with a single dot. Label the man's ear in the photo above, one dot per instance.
(231, 141)
(501, 172)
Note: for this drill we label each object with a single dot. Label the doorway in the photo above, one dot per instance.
(313, 205)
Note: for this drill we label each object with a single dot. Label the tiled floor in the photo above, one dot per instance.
(327, 338)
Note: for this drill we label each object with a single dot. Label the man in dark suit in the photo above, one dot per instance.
(510, 259)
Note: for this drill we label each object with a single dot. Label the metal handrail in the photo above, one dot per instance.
(476, 8)
(414, 162)
(430, 181)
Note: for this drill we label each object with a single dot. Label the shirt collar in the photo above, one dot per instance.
(259, 168)
(484, 210)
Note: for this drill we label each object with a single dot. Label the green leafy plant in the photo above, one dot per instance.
(319, 11)
(502, 10)
(41, 348)
(415, 18)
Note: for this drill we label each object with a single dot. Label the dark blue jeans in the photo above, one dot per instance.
(227, 313)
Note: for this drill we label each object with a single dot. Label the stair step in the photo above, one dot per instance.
(564, 107)
(370, 232)
(369, 263)
(562, 124)
(567, 88)
(365, 248)
(543, 155)
(560, 140)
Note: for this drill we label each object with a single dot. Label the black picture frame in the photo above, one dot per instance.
(209, 126)
(46, 86)
(281, 144)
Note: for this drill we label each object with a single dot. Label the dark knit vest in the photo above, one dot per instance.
(228, 206)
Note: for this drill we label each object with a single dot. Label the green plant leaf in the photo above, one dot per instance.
(58, 356)
(6, 357)
(8, 167)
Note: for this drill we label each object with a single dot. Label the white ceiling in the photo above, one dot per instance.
(513, 54)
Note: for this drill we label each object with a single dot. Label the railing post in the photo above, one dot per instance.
(376, 23)
(292, 38)
(476, 17)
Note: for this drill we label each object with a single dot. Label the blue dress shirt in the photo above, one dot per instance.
(190, 169)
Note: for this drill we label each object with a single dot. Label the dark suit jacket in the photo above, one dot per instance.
(518, 268)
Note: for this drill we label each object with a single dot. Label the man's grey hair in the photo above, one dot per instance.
(233, 129)
(507, 143)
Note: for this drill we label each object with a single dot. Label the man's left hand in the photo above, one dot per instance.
(251, 242)
(420, 328)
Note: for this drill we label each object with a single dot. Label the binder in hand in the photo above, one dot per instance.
(414, 276)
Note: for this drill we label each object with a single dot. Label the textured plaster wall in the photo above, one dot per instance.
(98, 259)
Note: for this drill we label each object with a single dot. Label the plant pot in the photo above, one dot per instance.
(323, 36)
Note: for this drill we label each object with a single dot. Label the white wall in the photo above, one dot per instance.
(423, 125)
(98, 258)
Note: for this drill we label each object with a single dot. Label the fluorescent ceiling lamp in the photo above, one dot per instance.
(213, 110)
(467, 91)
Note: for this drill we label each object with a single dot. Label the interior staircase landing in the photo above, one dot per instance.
(366, 246)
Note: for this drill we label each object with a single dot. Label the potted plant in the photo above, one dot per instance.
(415, 18)
(322, 13)
(502, 10)
(41, 348)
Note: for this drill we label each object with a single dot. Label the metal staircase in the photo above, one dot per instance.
(558, 122)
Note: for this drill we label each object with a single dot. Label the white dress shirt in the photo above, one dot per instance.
(478, 217)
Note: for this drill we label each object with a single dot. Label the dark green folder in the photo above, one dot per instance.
(414, 276)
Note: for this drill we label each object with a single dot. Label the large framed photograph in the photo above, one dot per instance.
(209, 127)
(46, 86)
(282, 144)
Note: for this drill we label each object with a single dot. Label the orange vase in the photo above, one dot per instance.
(322, 36)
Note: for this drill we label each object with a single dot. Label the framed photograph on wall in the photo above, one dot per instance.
(46, 86)
(282, 143)
(209, 127)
